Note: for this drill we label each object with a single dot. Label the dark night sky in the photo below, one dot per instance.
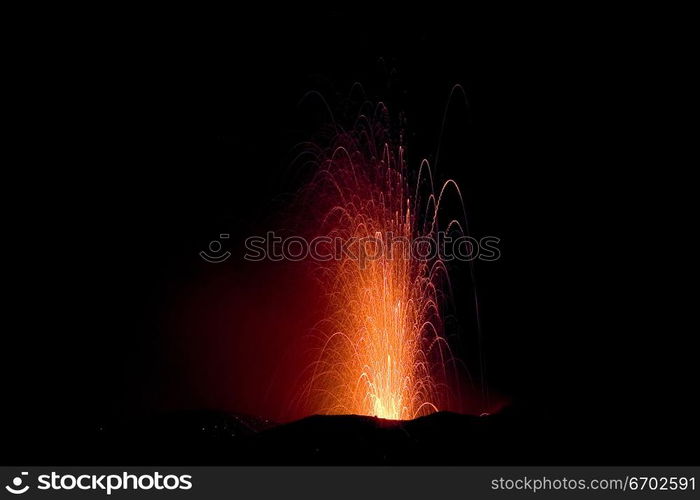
(181, 137)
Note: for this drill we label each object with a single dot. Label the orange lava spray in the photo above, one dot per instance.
(380, 349)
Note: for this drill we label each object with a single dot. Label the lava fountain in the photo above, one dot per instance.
(380, 349)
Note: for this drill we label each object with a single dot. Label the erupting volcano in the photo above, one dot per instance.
(381, 349)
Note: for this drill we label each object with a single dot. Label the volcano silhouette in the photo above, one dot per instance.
(218, 438)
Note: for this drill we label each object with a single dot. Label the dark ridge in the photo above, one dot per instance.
(510, 437)
(219, 438)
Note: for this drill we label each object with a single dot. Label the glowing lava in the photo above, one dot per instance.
(381, 349)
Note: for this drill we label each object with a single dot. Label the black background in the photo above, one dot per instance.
(159, 133)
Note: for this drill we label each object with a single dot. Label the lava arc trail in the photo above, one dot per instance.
(381, 348)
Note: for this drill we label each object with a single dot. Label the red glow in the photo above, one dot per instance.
(284, 340)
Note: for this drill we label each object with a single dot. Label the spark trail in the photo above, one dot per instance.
(381, 348)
